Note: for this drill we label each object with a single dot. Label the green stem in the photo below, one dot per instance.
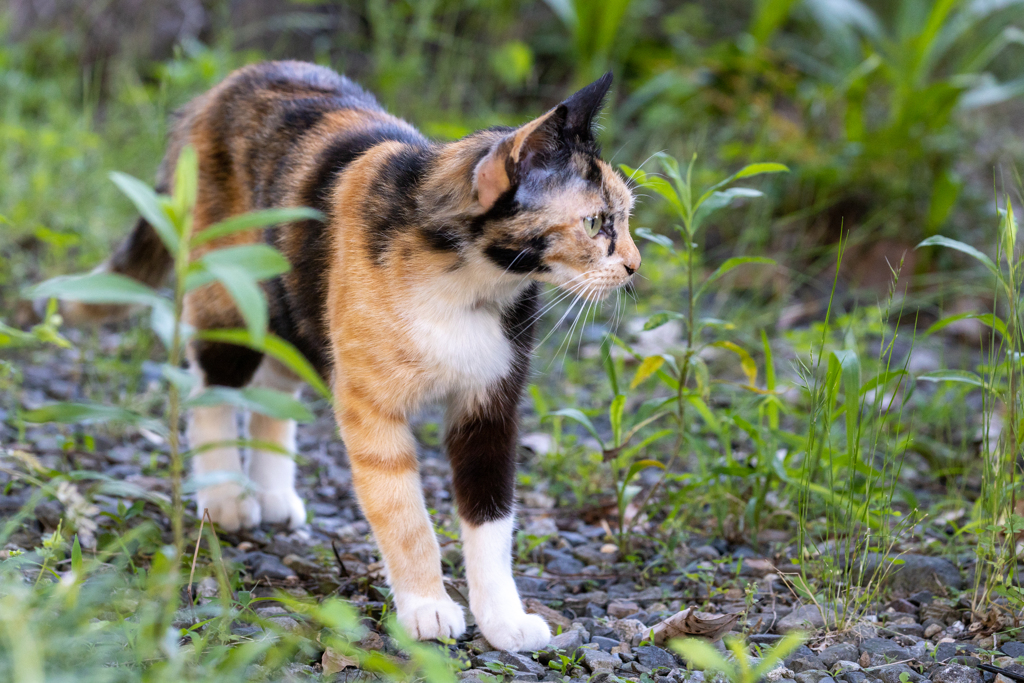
(174, 409)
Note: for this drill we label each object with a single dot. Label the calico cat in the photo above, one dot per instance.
(421, 285)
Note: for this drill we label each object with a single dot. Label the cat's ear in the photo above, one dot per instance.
(528, 146)
(583, 107)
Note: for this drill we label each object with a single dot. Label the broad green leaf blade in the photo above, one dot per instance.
(615, 417)
(260, 261)
(656, 183)
(705, 412)
(186, 181)
(247, 294)
(940, 241)
(759, 169)
(962, 376)
(275, 347)
(97, 288)
(731, 264)
(253, 220)
(745, 172)
(578, 416)
(648, 367)
(986, 319)
(89, 413)
(269, 402)
(662, 240)
(722, 199)
(76, 559)
(148, 204)
(609, 364)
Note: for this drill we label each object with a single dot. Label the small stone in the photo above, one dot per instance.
(846, 665)
(566, 643)
(603, 643)
(956, 673)
(812, 676)
(1012, 648)
(564, 565)
(577, 603)
(839, 652)
(805, 618)
(932, 630)
(802, 662)
(628, 629)
(597, 661)
(946, 651)
(884, 647)
(706, 552)
(594, 611)
(904, 606)
(654, 657)
(921, 598)
(852, 677)
(622, 608)
(522, 663)
(897, 673)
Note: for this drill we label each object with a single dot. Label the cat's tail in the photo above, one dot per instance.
(142, 256)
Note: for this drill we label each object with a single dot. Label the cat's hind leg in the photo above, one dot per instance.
(213, 437)
(272, 471)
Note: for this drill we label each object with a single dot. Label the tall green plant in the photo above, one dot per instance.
(238, 269)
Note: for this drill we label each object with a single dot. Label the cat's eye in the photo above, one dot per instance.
(592, 225)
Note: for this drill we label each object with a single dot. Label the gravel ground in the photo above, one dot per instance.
(602, 605)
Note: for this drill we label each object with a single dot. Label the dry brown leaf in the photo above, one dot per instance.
(333, 661)
(553, 617)
(691, 623)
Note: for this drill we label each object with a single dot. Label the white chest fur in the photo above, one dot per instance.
(463, 347)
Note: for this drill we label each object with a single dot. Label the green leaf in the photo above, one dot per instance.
(148, 204)
(615, 417)
(253, 220)
(97, 288)
(705, 412)
(186, 179)
(663, 240)
(731, 264)
(639, 465)
(89, 413)
(260, 261)
(986, 319)
(656, 183)
(720, 200)
(609, 363)
(276, 348)
(771, 406)
(269, 402)
(773, 657)
(247, 294)
(940, 241)
(962, 376)
(702, 655)
(578, 416)
(747, 363)
(745, 172)
(648, 367)
(76, 559)
(659, 319)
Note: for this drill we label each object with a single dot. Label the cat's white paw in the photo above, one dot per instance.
(282, 505)
(429, 618)
(229, 505)
(515, 631)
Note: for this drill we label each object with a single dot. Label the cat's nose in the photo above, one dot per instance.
(632, 262)
(629, 271)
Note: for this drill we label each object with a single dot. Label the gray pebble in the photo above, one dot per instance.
(956, 673)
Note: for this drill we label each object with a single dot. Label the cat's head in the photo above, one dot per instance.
(551, 208)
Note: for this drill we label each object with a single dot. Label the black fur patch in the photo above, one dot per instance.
(482, 448)
(504, 207)
(395, 194)
(227, 365)
(519, 258)
(444, 239)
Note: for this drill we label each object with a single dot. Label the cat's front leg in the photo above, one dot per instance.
(481, 447)
(382, 453)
